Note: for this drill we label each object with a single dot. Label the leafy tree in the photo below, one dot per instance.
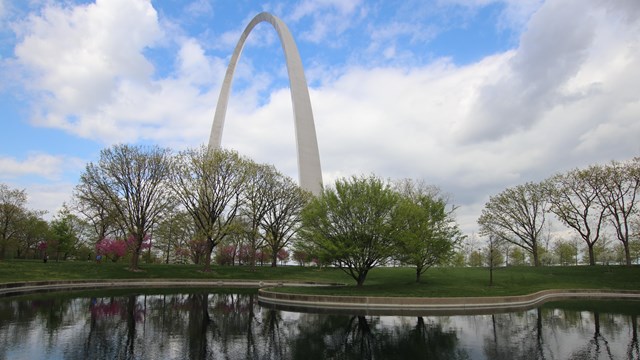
(282, 220)
(429, 232)
(12, 214)
(209, 185)
(301, 257)
(574, 199)
(34, 231)
(621, 184)
(97, 211)
(226, 255)
(352, 224)
(566, 253)
(173, 233)
(517, 257)
(132, 180)
(476, 259)
(111, 248)
(516, 215)
(256, 205)
(67, 232)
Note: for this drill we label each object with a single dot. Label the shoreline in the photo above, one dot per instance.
(366, 305)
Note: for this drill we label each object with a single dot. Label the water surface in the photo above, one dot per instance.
(232, 325)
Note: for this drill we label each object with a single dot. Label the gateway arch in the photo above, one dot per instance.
(310, 174)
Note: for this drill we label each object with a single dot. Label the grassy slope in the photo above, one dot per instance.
(381, 282)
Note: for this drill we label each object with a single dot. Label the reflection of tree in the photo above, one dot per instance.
(633, 350)
(360, 340)
(222, 325)
(276, 341)
(424, 340)
(516, 337)
(596, 344)
(199, 321)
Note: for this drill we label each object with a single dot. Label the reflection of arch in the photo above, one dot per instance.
(307, 145)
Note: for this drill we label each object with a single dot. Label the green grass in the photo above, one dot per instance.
(437, 282)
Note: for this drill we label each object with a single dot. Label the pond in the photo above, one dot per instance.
(231, 324)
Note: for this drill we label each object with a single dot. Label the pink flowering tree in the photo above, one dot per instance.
(112, 249)
(197, 249)
(226, 255)
(283, 255)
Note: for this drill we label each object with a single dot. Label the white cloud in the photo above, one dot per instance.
(80, 54)
(88, 62)
(566, 97)
(328, 17)
(45, 165)
(49, 198)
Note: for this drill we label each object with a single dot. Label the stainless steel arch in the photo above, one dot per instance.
(309, 172)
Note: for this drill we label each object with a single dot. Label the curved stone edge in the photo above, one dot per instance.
(430, 305)
(22, 288)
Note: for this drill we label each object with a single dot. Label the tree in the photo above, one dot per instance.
(67, 232)
(517, 257)
(566, 252)
(621, 184)
(429, 232)
(352, 226)
(96, 211)
(281, 222)
(132, 180)
(476, 259)
(173, 233)
(33, 235)
(209, 185)
(112, 248)
(256, 205)
(493, 256)
(516, 215)
(574, 199)
(12, 215)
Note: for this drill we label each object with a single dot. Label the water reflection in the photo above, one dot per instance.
(201, 325)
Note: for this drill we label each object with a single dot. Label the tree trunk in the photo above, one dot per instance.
(207, 255)
(592, 256)
(418, 273)
(135, 256)
(536, 260)
(361, 278)
(627, 253)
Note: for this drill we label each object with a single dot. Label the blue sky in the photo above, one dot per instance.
(471, 95)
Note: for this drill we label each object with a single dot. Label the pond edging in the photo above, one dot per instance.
(435, 304)
(20, 288)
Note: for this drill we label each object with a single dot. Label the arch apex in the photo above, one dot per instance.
(309, 170)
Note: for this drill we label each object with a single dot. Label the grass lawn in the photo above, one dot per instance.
(437, 282)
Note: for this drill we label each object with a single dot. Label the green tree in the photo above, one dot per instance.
(34, 232)
(282, 220)
(351, 224)
(428, 231)
(516, 215)
(173, 234)
(209, 184)
(517, 257)
(621, 185)
(12, 215)
(132, 180)
(67, 233)
(476, 259)
(574, 199)
(256, 206)
(566, 252)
